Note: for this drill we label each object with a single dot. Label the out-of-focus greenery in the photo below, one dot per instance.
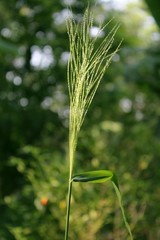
(121, 131)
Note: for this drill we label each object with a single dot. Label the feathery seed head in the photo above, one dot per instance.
(86, 67)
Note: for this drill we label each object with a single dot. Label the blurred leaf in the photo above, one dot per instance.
(8, 47)
(154, 8)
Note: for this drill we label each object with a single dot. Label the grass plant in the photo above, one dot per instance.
(86, 67)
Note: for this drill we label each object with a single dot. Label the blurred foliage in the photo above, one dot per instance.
(153, 7)
(121, 131)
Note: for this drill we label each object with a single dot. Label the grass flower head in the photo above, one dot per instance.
(86, 67)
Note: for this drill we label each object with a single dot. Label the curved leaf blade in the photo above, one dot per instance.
(101, 176)
(119, 196)
(98, 176)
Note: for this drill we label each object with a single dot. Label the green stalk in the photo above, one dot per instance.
(72, 148)
(68, 208)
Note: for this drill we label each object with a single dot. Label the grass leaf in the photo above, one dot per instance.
(101, 176)
(93, 176)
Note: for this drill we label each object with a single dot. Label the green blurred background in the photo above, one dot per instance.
(121, 131)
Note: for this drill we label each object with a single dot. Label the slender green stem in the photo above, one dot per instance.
(68, 208)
